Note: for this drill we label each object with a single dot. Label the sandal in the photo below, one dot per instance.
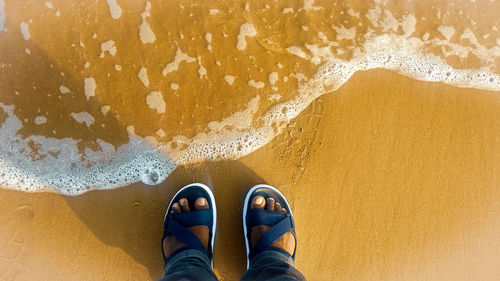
(280, 223)
(177, 224)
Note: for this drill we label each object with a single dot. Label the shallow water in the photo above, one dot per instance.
(99, 94)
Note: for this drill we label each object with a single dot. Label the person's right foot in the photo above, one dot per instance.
(285, 242)
(171, 243)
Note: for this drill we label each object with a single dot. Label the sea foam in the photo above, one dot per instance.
(60, 166)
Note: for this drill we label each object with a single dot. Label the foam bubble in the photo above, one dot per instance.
(105, 109)
(89, 87)
(274, 97)
(229, 79)
(174, 65)
(213, 11)
(208, 38)
(146, 34)
(155, 101)
(108, 46)
(246, 30)
(345, 33)
(202, 71)
(160, 133)
(408, 25)
(143, 76)
(63, 89)
(114, 9)
(155, 172)
(256, 84)
(390, 22)
(83, 117)
(25, 30)
(309, 6)
(294, 50)
(40, 120)
(446, 31)
(273, 77)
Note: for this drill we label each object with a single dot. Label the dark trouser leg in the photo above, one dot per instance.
(272, 266)
(188, 265)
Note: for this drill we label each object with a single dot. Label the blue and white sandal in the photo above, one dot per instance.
(177, 224)
(280, 223)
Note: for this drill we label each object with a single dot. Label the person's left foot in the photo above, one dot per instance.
(171, 244)
(285, 242)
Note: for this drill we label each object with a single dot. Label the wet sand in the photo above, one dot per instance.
(389, 178)
(188, 81)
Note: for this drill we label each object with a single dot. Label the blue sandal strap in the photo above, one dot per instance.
(183, 234)
(278, 230)
(264, 217)
(199, 217)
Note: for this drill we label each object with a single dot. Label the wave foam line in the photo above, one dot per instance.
(143, 159)
(389, 52)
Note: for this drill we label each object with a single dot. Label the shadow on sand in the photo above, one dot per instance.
(131, 217)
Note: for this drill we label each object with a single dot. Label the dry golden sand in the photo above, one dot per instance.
(389, 179)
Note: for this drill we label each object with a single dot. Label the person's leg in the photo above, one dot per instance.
(275, 263)
(184, 262)
(272, 266)
(188, 265)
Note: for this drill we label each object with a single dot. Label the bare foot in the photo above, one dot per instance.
(171, 244)
(285, 242)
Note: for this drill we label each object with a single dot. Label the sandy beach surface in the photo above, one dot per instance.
(379, 120)
(389, 179)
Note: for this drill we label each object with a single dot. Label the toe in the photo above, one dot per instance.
(277, 207)
(258, 202)
(270, 202)
(176, 208)
(184, 205)
(200, 203)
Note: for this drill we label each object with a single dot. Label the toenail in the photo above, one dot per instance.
(259, 200)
